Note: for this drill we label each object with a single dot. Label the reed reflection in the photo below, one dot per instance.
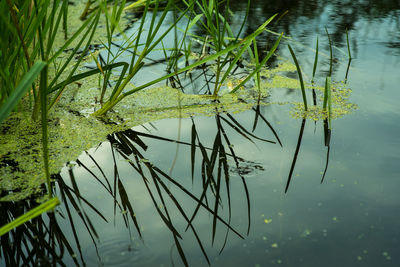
(206, 189)
(214, 167)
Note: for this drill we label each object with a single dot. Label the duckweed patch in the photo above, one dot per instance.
(340, 104)
(72, 129)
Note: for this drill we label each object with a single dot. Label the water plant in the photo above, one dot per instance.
(49, 205)
(35, 25)
(216, 25)
(349, 55)
(327, 104)
(313, 73)
(303, 91)
(315, 62)
(327, 92)
(21, 89)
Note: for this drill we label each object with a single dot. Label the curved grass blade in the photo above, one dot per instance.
(303, 122)
(92, 28)
(47, 206)
(244, 129)
(328, 99)
(119, 95)
(326, 164)
(315, 61)
(257, 110)
(348, 44)
(176, 202)
(126, 204)
(193, 149)
(330, 51)
(327, 137)
(217, 188)
(263, 62)
(303, 91)
(21, 89)
(197, 200)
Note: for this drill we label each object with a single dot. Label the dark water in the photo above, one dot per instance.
(132, 213)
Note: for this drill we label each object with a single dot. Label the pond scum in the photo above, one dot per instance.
(72, 129)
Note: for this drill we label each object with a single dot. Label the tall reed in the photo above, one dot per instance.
(216, 25)
(29, 31)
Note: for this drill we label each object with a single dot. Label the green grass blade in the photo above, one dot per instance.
(315, 61)
(331, 53)
(83, 75)
(73, 37)
(303, 91)
(77, 63)
(263, 62)
(48, 205)
(348, 44)
(43, 106)
(117, 97)
(21, 89)
(329, 91)
(257, 62)
(194, 21)
(326, 92)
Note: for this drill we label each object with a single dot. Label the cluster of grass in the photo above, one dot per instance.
(326, 104)
(220, 163)
(327, 101)
(31, 65)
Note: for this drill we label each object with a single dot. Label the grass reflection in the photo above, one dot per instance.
(206, 189)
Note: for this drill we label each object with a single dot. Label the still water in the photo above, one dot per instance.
(129, 201)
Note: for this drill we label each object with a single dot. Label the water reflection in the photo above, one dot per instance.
(215, 168)
(306, 19)
(44, 241)
(95, 196)
(119, 215)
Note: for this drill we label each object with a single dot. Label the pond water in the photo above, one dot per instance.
(128, 201)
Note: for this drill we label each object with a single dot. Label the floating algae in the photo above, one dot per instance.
(340, 104)
(72, 129)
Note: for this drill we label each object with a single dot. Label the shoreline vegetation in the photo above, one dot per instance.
(66, 83)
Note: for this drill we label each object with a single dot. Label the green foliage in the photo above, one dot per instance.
(328, 99)
(29, 31)
(227, 48)
(303, 91)
(21, 90)
(315, 61)
(45, 207)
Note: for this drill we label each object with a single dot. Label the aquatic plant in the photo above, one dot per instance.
(49, 205)
(313, 73)
(327, 91)
(315, 61)
(21, 89)
(216, 25)
(303, 91)
(30, 31)
(349, 55)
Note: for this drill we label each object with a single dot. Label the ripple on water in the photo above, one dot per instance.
(247, 168)
(119, 252)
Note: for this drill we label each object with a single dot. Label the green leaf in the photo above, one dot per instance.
(194, 21)
(303, 91)
(21, 89)
(48, 205)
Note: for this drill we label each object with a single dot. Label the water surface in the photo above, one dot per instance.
(128, 218)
